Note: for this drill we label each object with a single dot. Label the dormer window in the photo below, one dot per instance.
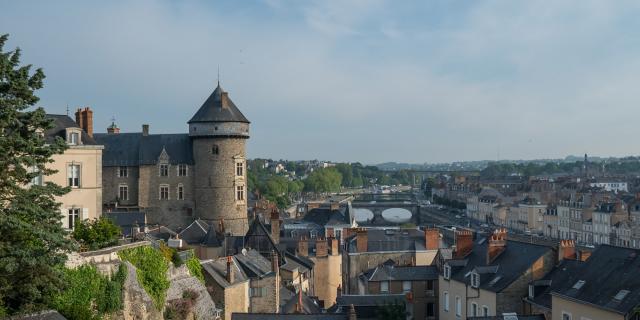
(475, 280)
(447, 271)
(73, 136)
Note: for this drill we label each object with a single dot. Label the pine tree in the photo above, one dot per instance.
(33, 244)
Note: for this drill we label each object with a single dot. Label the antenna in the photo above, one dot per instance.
(67, 109)
(218, 74)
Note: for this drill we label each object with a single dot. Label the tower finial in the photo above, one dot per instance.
(218, 75)
(67, 109)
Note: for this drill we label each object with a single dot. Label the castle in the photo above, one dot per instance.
(176, 178)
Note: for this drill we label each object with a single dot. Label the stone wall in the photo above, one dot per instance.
(111, 183)
(269, 301)
(173, 213)
(181, 280)
(137, 305)
(102, 256)
(327, 277)
(216, 181)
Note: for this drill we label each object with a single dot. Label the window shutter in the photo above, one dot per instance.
(65, 218)
(84, 215)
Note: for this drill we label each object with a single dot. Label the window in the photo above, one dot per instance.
(429, 285)
(73, 175)
(164, 192)
(485, 311)
(406, 286)
(431, 312)
(180, 192)
(214, 150)
(239, 169)
(384, 286)
(256, 292)
(182, 170)
(474, 309)
(37, 180)
(74, 138)
(566, 315)
(475, 280)
(123, 192)
(531, 291)
(164, 170)
(123, 172)
(74, 215)
(458, 306)
(240, 193)
(447, 271)
(446, 301)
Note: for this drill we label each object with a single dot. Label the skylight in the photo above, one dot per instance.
(481, 241)
(579, 284)
(494, 281)
(621, 295)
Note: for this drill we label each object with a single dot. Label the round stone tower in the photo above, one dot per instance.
(218, 134)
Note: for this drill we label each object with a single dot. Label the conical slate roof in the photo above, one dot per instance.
(218, 108)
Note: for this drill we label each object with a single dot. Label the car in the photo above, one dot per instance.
(484, 225)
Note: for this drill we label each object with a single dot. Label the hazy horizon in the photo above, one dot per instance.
(366, 81)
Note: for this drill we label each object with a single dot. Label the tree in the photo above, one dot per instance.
(33, 244)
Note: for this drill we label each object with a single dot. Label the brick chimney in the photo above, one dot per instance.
(230, 274)
(145, 130)
(84, 119)
(335, 246)
(496, 245)
(321, 247)
(464, 243)
(275, 225)
(275, 262)
(567, 250)
(361, 240)
(432, 238)
(303, 247)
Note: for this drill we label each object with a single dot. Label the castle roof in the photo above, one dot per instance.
(134, 149)
(218, 108)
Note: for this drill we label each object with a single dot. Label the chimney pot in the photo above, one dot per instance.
(567, 250)
(464, 243)
(361, 240)
(230, 273)
(145, 129)
(321, 247)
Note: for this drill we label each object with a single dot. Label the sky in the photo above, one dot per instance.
(365, 80)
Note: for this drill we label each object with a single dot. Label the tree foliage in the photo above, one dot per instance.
(33, 245)
(324, 180)
(96, 234)
(152, 271)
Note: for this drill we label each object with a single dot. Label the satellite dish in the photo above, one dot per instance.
(244, 251)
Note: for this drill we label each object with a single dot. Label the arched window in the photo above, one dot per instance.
(214, 149)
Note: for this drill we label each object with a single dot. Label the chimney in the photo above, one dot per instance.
(352, 313)
(335, 246)
(303, 247)
(113, 129)
(275, 262)
(145, 130)
(275, 226)
(496, 245)
(230, 274)
(432, 238)
(567, 250)
(464, 243)
(221, 227)
(361, 240)
(339, 291)
(299, 304)
(84, 119)
(334, 205)
(321, 247)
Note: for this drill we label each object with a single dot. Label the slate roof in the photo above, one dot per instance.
(391, 240)
(389, 272)
(161, 232)
(126, 220)
(194, 233)
(218, 109)
(542, 287)
(275, 316)
(254, 264)
(217, 269)
(506, 317)
(309, 305)
(134, 149)
(326, 216)
(60, 123)
(508, 266)
(608, 271)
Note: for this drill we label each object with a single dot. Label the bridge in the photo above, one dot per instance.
(390, 209)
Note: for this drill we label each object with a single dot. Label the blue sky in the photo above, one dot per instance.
(369, 81)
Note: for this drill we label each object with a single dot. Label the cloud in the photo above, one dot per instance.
(366, 81)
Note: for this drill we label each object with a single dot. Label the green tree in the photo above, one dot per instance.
(33, 244)
(96, 234)
(324, 180)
